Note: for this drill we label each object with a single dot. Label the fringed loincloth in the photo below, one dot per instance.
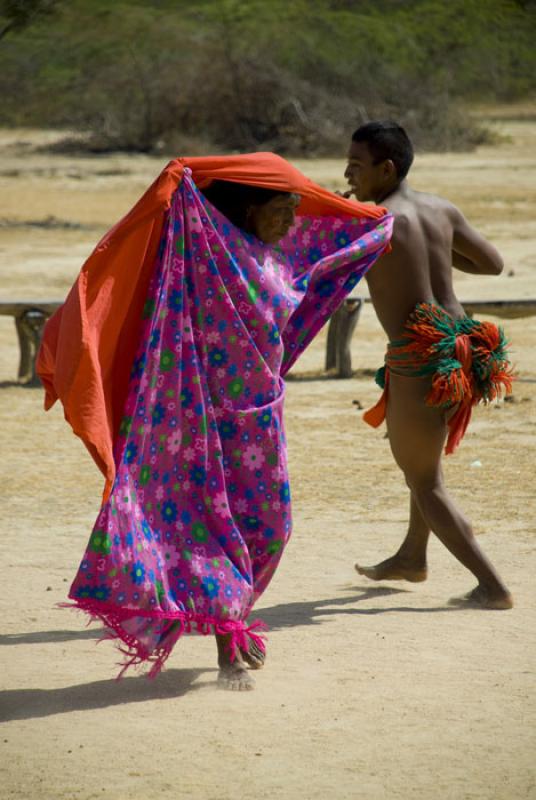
(467, 362)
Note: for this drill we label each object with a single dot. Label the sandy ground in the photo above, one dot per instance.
(370, 692)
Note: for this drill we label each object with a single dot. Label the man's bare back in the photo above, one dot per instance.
(430, 237)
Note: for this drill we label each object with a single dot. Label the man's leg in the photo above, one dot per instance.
(417, 435)
(409, 562)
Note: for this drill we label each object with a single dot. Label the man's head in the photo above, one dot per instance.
(379, 159)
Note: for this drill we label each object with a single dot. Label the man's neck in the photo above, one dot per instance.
(400, 188)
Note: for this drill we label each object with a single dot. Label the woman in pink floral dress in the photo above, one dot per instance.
(198, 512)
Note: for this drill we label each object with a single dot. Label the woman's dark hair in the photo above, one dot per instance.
(387, 140)
(234, 199)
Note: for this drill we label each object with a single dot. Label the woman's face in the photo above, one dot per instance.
(273, 220)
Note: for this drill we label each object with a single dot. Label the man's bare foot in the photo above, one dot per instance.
(235, 677)
(482, 597)
(253, 656)
(394, 569)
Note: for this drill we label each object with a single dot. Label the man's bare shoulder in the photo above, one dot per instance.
(442, 205)
(415, 200)
(421, 211)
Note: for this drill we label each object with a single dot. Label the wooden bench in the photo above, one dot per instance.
(343, 322)
(504, 309)
(30, 317)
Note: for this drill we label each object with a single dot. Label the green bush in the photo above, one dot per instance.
(294, 76)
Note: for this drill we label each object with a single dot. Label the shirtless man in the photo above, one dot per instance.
(430, 237)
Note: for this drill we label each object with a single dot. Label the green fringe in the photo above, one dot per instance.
(380, 377)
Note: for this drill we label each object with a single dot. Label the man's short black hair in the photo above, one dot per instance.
(387, 140)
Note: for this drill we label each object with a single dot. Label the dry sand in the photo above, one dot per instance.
(370, 692)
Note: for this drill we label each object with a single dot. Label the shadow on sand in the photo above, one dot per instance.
(34, 703)
(45, 637)
(285, 615)
(311, 612)
(17, 384)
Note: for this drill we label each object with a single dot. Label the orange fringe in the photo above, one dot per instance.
(449, 389)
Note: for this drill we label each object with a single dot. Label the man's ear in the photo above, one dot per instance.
(389, 169)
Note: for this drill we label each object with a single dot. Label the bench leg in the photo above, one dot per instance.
(341, 327)
(29, 330)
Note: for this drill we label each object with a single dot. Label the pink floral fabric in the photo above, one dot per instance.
(200, 511)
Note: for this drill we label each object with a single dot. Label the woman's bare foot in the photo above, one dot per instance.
(233, 674)
(235, 677)
(253, 656)
(394, 569)
(482, 597)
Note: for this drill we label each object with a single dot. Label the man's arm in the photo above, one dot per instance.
(471, 252)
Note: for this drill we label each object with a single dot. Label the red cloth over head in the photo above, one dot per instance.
(89, 343)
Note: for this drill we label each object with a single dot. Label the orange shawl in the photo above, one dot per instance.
(89, 343)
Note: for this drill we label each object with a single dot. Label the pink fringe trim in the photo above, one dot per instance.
(134, 651)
